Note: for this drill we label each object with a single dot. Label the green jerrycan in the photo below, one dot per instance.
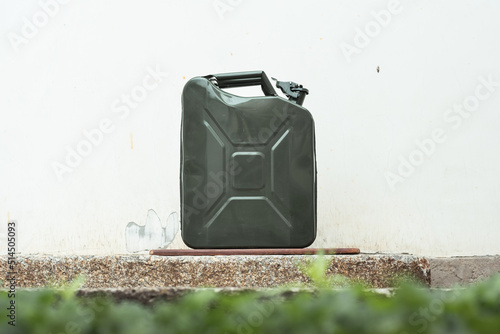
(248, 164)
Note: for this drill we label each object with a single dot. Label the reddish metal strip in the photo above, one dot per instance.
(257, 251)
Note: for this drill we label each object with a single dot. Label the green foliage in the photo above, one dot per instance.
(411, 309)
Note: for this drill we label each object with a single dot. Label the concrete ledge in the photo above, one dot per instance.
(149, 296)
(447, 272)
(377, 271)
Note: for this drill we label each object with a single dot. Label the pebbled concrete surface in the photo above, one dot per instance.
(140, 271)
(448, 272)
(149, 296)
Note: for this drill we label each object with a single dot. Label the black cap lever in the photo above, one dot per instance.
(295, 92)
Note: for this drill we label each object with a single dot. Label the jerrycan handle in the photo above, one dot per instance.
(241, 79)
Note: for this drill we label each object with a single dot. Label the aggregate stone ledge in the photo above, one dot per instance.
(125, 271)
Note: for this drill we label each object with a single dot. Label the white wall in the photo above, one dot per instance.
(69, 75)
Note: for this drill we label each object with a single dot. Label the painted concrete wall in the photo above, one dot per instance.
(405, 95)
